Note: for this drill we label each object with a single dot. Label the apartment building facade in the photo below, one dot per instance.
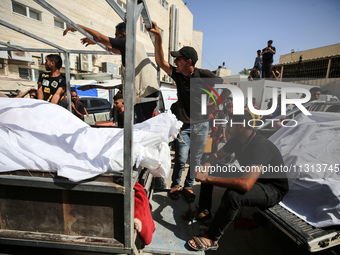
(172, 16)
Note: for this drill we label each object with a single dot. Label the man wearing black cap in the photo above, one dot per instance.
(194, 132)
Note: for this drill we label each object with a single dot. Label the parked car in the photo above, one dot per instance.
(96, 104)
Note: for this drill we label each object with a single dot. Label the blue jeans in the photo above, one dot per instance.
(191, 138)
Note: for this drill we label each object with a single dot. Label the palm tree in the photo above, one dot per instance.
(245, 71)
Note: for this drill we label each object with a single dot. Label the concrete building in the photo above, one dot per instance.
(173, 17)
(319, 66)
(316, 67)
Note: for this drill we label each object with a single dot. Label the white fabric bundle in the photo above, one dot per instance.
(35, 134)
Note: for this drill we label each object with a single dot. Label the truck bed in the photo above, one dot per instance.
(39, 209)
(304, 234)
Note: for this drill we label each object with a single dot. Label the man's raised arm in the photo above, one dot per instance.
(159, 54)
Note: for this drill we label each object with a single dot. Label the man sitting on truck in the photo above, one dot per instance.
(254, 185)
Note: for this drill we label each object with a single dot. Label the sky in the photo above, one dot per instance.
(233, 30)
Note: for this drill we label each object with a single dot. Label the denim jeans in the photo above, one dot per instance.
(191, 138)
(260, 195)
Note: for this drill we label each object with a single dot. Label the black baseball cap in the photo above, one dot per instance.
(186, 51)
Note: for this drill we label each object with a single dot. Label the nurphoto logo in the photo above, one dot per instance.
(238, 100)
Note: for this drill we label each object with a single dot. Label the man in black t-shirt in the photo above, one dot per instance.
(52, 85)
(267, 59)
(252, 186)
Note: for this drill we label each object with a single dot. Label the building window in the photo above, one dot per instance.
(29, 74)
(164, 4)
(59, 23)
(26, 11)
(121, 4)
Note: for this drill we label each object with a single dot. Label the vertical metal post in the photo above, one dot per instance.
(159, 84)
(172, 32)
(176, 28)
(281, 77)
(68, 78)
(128, 120)
(328, 68)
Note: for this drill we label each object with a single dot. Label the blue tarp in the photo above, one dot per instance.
(86, 93)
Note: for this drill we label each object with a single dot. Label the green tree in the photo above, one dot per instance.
(245, 71)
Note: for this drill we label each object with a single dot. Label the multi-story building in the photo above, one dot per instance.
(172, 16)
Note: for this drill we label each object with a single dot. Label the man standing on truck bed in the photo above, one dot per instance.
(194, 132)
(254, 184)
(51, 86)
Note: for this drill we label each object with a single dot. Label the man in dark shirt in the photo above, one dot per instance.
(254, 74)
(51, 86)
(315, 93)
(254, 185)
(118, 102)
(267, 59)
(194, 132)
(78, 107)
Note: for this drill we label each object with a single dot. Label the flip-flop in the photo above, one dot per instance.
(202, 244)
(204, 216)
(189, 195)
(175, 192)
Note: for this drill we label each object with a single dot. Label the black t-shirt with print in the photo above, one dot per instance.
(189, 94)
(50, 84)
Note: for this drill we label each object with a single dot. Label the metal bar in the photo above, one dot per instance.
(128, 121)
(139, 10)
(61, 16)
(176, 28)
(328, 68)
(91, 52)
(67, 78)
(13, 47)
(14, 241)
(60, 184)
(146, 16)
(6, 24)
(54, 50)
(172, 33)
(118, 9)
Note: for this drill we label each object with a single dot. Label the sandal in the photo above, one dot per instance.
(202, 243)
(189, 194)
(174, 192)
(203, 216)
